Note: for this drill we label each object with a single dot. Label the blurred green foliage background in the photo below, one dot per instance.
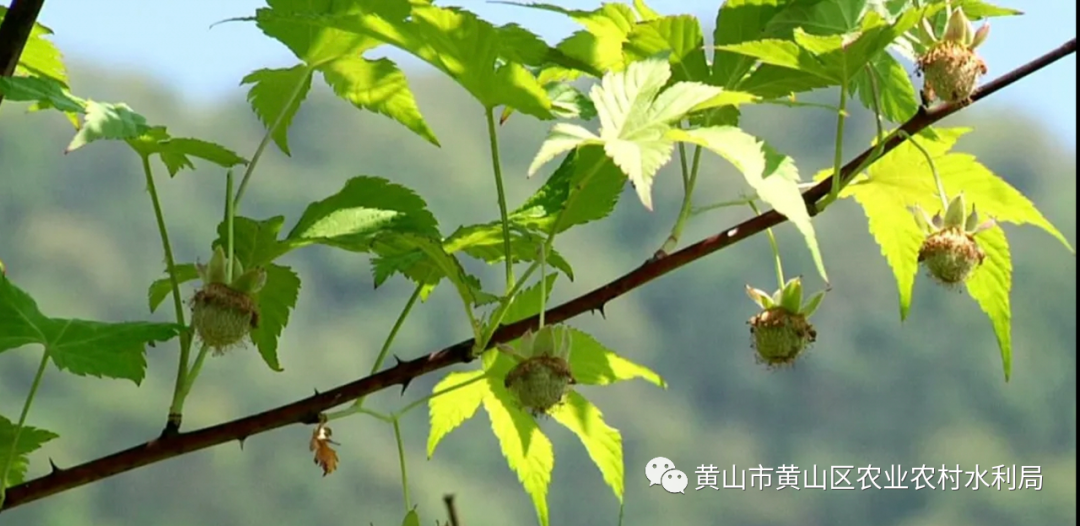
(77, 232)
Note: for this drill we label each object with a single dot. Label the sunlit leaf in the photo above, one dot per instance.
(594, 364)
(602, 442)
(773, 176)
(528, 452)
(593, 201)
(275, 96)
(990, 286)
(105, 121)
(451, 409)
(160, 289)
(379, 86)
(42, 90)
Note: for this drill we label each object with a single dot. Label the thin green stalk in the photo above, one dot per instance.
(22, 422)
(687, 204)
(504, 306)
(401, 460)
(230, 214)
(354, 410)
(543, 285)
(752, 198)
(838, 156)
(933, 170)
(401, 412)
(194, 372)
(176, 408)
(496, 165)
(775, 249)
(385, 351)
(266, 141)
(875, 98)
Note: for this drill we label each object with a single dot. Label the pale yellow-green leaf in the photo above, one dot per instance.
(991, 194)
(601, 441)
(451, 409)
(527, 450)
(990, 286)
(594, 364)
(772, 175)
(562, 138)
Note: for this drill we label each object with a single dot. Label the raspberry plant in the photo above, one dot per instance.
(629, 93)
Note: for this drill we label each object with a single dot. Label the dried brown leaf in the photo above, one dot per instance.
(325, 456)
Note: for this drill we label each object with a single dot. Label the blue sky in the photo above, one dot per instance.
(173, 41)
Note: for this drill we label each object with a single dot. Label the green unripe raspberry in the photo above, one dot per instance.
(540, 383)
(780, 336)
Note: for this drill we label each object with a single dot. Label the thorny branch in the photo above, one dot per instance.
(306, 411)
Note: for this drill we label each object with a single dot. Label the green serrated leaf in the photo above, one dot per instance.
(255, 243)
(84, 348)
(423, 260)
(600, 45)
(30, 440)
(47, 92)
(275, 96)
(635, 117)
(902, 179)
(990, 286)
(527, 302)
(644, 11)
(451, 409)
(108, 121)
(526, 449)
(378, 86)
(602, 442)
(485, 242)
(594, 200)
(594, 364)
(175, 151)
(569, 103)
(740, 21)
(680, 36)
(160, 289)
(772, 175)
(562, 138)
(276, 299)
(363, 209)
(892, 84)
(39, 57)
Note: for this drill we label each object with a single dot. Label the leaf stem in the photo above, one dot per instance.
(266, 140)
(176, 408)
(933, 170)
(543, 284)
(401, 460)
(194, 372)
(385, 351)
(504, 305)
(10, 460)
(496, 165)
(230, 214)
(775, 249)
(838, 156)
(686, 212)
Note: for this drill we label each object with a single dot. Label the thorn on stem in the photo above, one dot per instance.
(55, 469)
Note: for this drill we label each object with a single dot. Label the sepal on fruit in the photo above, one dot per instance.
(782, 331)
